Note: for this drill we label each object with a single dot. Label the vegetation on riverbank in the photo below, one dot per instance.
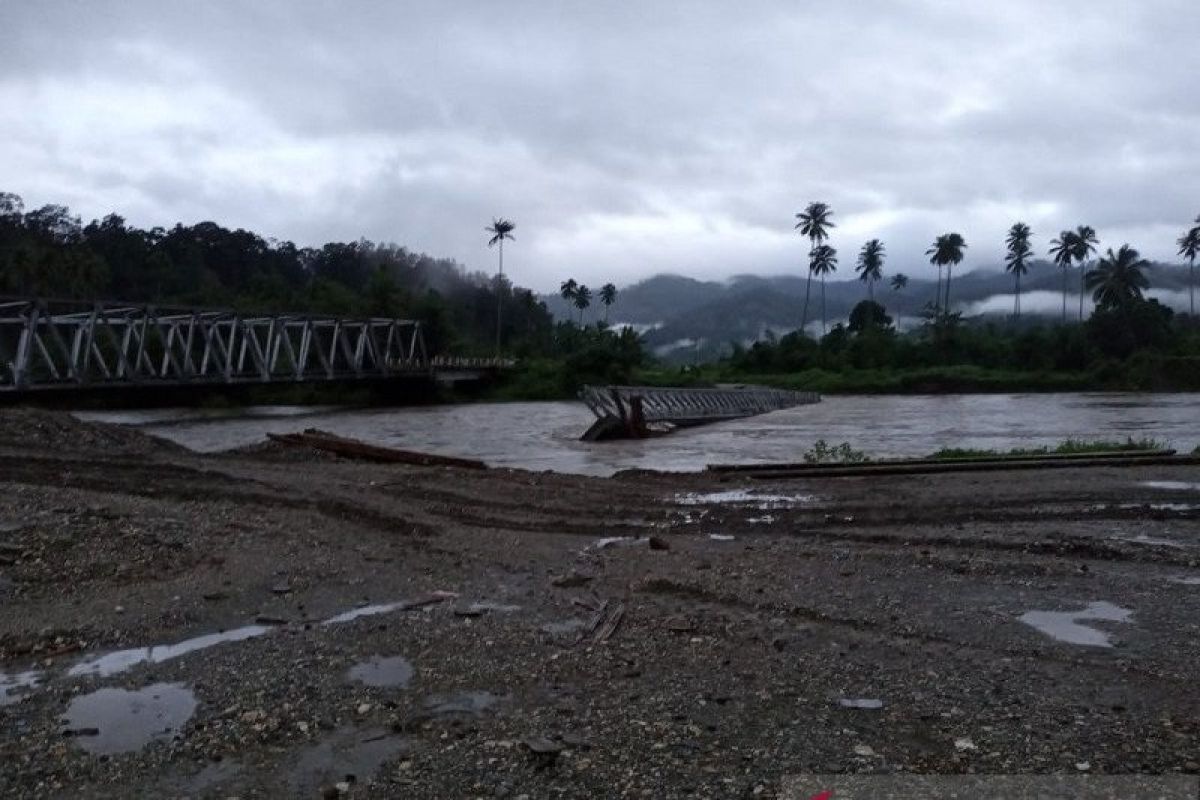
(1067, 447)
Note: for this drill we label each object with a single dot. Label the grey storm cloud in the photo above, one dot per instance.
(624, 138)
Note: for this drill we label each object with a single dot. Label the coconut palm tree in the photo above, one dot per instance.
(899, 281)
(1085, 245)
(870, 265)
(1118, 281)
(567, 289)
(500, 229)
(1019, 251)
(947, 250)
(1189, 248)
(583, 299)
(813, 223)
(608, 296)
(1062, 251)
(822, 261)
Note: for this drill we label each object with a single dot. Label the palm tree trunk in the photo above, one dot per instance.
(1064, 311)
(1192, 289)
(937, 295)
(949, 272)
(871, 290)
(1082, 270)
(807, 290)
(1017, 299)
(824, 329)
(499, 297)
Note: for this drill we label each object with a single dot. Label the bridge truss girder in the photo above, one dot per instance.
(45, 345)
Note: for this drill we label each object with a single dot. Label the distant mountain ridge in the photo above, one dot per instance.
(678, 311)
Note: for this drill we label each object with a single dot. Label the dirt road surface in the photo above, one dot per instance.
(323, 627)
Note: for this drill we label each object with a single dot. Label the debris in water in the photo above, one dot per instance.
(964, 745)
(765, 519)
(382, 672)
(1187, 581)
(721, 537)
(119, 721)
(1064, 625)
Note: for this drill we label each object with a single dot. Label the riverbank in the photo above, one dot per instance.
(736, 635)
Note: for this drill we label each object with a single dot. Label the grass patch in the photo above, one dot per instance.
(1068, 447)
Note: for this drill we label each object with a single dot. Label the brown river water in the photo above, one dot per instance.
(545, 436)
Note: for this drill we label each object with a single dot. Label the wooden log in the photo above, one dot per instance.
(353, 448)
(799, 466)
(867, 470)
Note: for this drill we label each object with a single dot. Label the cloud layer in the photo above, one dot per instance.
(624, 140)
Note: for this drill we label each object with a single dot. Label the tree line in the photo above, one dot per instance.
(1128, 340)
(49, 252)
(1117, 280)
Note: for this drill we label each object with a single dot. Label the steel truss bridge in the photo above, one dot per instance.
(65, 344)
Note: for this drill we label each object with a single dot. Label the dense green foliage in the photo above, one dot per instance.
(1064, 448)
(1140, 344)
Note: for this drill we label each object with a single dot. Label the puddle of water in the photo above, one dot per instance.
(13, 687)
(1150, 506)
(614, 541)
(565, 627)
(118, 721)
(483, 607)
(349, 755)
(364, 611)
(383, 672)
(460, 703)
(1172, 486)
(865, 703)
(121, 660)
(387, 608)
(1142, 538)
(742, 497)
(1065, 625)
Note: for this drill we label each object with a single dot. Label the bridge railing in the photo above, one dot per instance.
(456, 362)
(48, 344)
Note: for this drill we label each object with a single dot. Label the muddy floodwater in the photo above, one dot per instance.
(545, 436)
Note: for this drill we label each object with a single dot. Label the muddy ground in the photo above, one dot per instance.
(812, 626)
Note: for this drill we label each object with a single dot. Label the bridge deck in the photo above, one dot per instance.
(63, 344)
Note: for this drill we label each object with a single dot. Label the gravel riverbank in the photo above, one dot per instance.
(323, 627)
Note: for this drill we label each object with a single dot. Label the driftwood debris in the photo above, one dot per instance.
(604, 624)
(353, 448)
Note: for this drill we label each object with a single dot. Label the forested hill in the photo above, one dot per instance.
(49, 252)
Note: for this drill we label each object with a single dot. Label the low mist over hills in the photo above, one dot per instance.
(683, 318)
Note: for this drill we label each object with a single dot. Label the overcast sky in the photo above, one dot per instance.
(623, 138)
